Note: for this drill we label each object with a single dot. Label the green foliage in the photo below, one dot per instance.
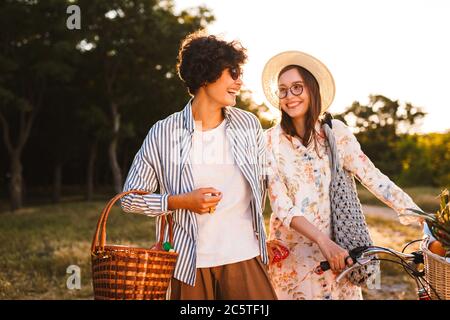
(439, 222)
(425, 159)
(245, 102)
(133, 58)
(125, 54)
(382, 114)
(415, 162)
(63, 83)
(34, 52)
(437, 148)
(385, 130)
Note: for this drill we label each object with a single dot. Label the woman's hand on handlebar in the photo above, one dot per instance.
(336, 256)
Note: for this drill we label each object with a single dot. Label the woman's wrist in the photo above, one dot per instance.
(305, 228)
(175, 201)
(320, 239)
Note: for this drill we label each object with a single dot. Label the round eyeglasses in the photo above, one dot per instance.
(296, 89)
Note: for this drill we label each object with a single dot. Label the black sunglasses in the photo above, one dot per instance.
(235, 72)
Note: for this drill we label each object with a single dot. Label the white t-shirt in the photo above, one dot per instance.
(227, 235)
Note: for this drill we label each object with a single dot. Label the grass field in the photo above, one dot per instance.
(38, 243)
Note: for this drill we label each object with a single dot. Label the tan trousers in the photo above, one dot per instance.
(245, 280)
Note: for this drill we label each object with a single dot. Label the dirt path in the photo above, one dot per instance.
(395, 284)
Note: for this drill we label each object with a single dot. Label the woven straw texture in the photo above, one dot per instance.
(128, 273)
(437, 273)
(313, 65)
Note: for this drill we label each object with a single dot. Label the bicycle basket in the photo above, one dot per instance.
(437, 273)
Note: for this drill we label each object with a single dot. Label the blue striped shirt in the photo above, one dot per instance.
(162, 167)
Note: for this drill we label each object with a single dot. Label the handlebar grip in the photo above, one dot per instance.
(353, 254)
(325, 265)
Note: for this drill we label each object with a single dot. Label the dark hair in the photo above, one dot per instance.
(313, 113)
(202, 59)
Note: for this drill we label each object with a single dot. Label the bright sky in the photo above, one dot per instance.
(397, 48)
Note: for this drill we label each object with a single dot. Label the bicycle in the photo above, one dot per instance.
(413, 264)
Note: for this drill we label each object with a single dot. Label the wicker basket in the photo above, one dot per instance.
(437, 273)
(123, 272)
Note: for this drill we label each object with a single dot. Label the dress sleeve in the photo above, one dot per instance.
(355, 161)
(282, 205)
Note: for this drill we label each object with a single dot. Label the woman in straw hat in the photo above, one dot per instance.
(299, 176)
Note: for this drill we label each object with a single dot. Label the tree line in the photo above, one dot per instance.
(75, 105)
(68, 97)
(387, 131)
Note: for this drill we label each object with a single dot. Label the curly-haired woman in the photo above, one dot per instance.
(207, 162)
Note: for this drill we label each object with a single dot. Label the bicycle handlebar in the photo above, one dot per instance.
(410, 262)
(359, 253)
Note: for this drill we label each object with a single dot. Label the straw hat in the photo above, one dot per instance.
(313, 65)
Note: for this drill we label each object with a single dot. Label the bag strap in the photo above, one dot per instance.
(332, 147)
(326, 119)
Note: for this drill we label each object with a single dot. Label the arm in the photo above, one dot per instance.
(373, 179)
(142, 176)
(198, 201)
(334, 254)
(293, 217)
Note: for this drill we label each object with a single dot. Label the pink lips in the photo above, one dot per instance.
(295, 106)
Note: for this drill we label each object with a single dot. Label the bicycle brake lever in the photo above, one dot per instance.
(364, 260)
(359, 262)
(346, 270)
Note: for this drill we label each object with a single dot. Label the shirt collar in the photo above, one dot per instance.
(188, 118)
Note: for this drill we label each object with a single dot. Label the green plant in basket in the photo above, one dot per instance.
(439, 222)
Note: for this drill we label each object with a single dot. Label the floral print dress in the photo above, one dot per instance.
(299, 180)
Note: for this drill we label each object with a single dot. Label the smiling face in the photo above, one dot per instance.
(224, 90)
(296, 106)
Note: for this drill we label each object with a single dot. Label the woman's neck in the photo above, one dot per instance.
(300, 127)
(206, 111)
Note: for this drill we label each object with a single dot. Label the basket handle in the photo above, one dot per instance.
(101, 224)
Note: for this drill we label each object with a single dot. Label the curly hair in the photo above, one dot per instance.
(202, 59)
